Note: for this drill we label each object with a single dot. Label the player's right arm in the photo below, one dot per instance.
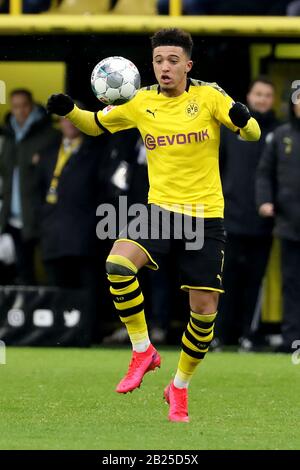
(235, 116)
(248, 126)
(111, 118)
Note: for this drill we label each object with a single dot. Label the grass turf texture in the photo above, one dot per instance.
(65, 399)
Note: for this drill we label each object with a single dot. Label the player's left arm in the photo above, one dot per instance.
(85, 121)
(235, 116)
(111, 119)
(63, 105)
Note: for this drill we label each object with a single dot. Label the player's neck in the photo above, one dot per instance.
(174, 92)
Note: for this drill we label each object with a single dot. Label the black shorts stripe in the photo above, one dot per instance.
(196, 342)
(202, 324)
(131, 310)
(99, 123)
(126, 297)
(122, 284)
(190, 352)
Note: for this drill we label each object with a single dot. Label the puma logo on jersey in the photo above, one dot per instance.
(151, 112)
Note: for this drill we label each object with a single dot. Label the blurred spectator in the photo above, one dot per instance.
(189, 7)
(293, 8)
(28, 131)
(248, 235)
(228, 7)
(255, 7)
(278, 196)
(29, 6)
(7, 248)
(69, 175)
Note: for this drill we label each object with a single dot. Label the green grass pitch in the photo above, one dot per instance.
(65, 399)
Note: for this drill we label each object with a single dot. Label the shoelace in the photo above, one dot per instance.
(181, 403)
(134, 363)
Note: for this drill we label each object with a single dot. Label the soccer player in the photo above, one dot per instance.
(179, 120)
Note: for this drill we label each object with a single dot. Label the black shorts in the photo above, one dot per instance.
(161, 232)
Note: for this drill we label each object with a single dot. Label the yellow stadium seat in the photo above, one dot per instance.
(134, 7)
(79, 7)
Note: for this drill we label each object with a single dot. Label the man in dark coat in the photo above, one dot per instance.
(278, 197)
(248, 235)
(70, 191)
(27, 132)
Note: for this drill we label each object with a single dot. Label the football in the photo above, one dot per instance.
(115, 80)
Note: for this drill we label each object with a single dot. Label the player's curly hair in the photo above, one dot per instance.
(173, 37)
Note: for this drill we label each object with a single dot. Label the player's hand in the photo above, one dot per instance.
(239, 114)
(266, 210)
(60, 104)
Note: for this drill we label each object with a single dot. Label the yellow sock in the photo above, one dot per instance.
(128, 300)
(195, 343)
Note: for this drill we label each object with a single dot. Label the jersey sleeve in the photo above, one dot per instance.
(221, 104)
(85, 121)
(117, 118)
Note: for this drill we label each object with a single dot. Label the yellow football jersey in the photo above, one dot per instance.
(182, 136)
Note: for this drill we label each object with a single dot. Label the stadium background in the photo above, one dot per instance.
(56, 52)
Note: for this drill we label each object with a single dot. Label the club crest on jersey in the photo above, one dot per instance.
(192, 109)
(107, 109)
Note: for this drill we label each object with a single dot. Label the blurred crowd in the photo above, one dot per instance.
(189, 7)
(234, 7)
(53, 178)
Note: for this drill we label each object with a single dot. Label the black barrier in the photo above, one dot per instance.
(139, 458)
(43, 316)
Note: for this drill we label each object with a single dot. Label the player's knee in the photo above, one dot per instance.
(120, 266)
(204, 310)
(204, 305)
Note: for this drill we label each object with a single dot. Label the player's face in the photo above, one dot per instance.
(171, 65)
(261, 97)
(21, 107)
